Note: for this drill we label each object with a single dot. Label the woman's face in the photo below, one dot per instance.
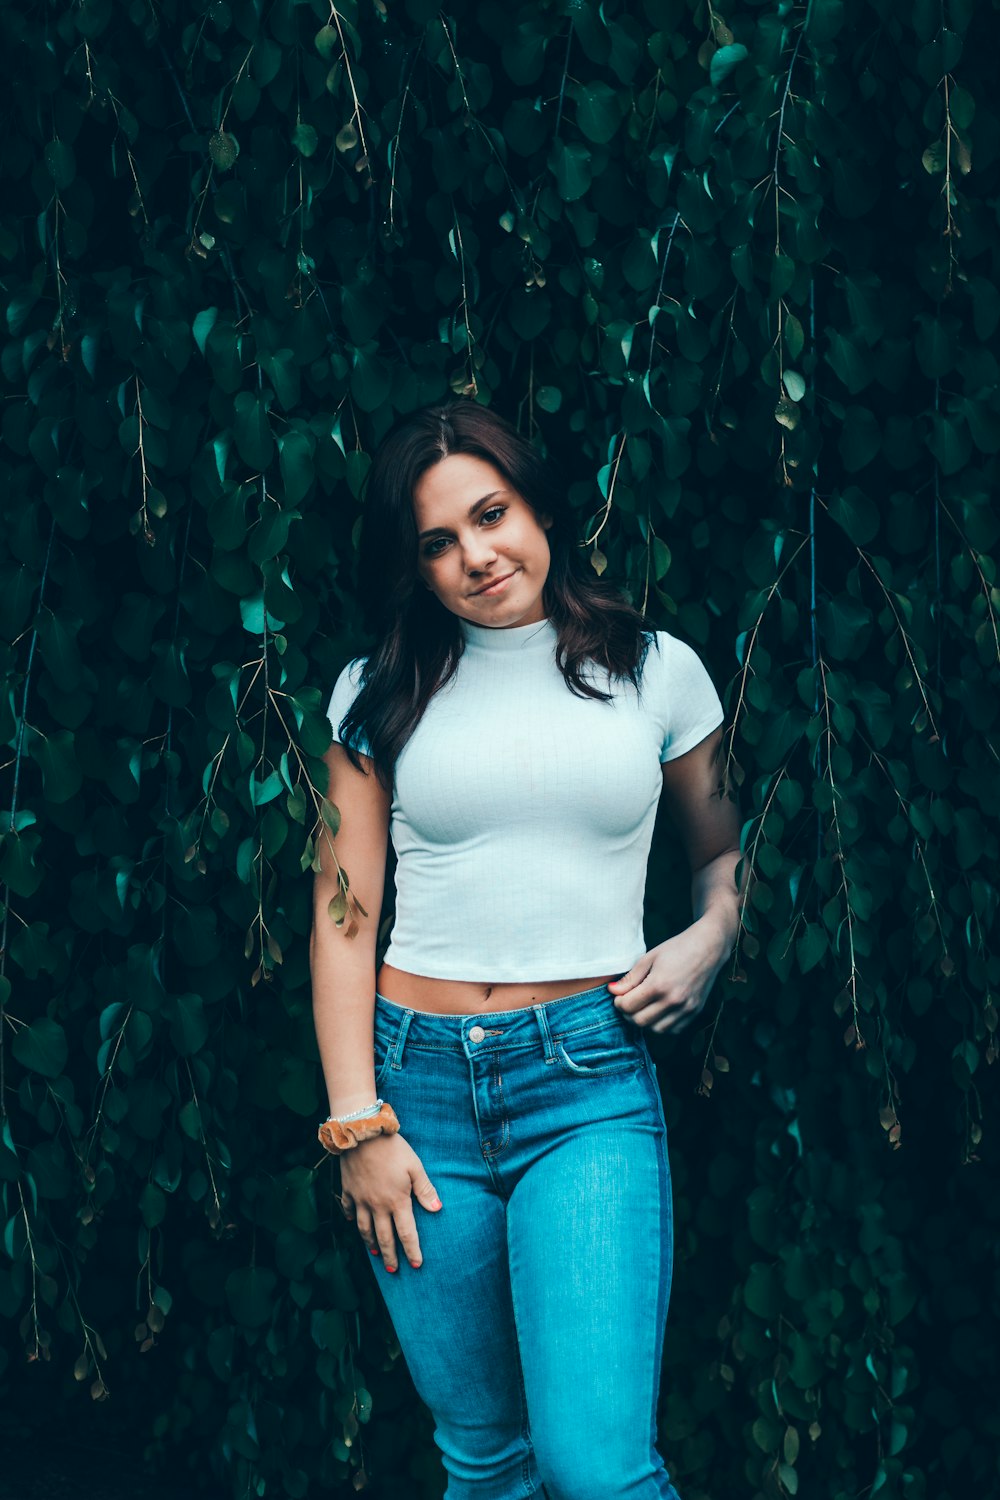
(474, 530)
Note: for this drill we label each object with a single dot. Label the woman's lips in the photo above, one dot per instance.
(494, 588)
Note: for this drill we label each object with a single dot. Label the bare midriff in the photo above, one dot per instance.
(465, 997)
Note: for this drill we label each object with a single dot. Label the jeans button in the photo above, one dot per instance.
(476, 1034)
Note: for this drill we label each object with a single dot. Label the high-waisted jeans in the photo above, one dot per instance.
(534, 1328)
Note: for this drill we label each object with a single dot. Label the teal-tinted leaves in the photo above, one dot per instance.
(42, 1047)
(571, 163)
(811, 946)
(523, 54)
(223, 148)
(724, 60)
(823, 21)
(983, 423)
(55, 754)
(846, 626)
(794, 383)
(48, 1169)
(847, 361)
(281, 369)
(60, 650)
(296, 448)
(529, 312)
(326, 42)
(329, 1329)
(598, 112)
(762, 1292)
(169, 678)
(60, 163)
(806, 1366)
(524, 127)
(860, 438)
(783, 731)
(250, 1294)
(20, 866)
(949, 441)
(227, 521)
(270, 536)
(304, 139)
(188, 1024)
(252, 431)
(152, 1205)
(370, 379)
(935, 344)
(852, 509)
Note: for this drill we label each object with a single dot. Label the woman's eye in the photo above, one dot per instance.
(494, 510)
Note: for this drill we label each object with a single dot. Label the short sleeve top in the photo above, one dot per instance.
(522, 815)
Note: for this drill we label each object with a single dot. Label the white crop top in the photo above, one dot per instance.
(522, 815)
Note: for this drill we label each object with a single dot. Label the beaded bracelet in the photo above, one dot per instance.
(359, 1114)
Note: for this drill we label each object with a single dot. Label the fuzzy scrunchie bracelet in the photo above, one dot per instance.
(338, 1136)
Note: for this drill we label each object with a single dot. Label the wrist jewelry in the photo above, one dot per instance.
(360, 1114)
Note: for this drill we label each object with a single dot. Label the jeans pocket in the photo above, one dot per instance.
(597, 1050)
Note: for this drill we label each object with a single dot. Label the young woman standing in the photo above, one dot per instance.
(513, 729)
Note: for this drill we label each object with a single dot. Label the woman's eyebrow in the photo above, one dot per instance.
(472, 511)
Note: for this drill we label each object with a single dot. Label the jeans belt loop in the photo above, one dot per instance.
(400, 1042)
(544, 1028)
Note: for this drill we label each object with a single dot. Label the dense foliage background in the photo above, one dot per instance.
(736, 269)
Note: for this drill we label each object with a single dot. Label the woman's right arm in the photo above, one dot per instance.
(343, 968)
(380, 1176)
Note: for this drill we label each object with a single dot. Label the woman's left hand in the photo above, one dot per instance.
(667, 987)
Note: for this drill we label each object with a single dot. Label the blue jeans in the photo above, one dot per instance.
(534, 1328)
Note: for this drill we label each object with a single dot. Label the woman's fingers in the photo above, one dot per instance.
(386, 1239)
(406, 1228)
(366, 1228)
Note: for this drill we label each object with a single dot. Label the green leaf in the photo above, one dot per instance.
(250, 1295)
(203, 324)
(795, 385)
(252, 431)
(305, 139)
(326, 41)
(56, 756)
(42, 1046)
(949, 441)
(347, 136)
(60, 163)
(724, 60)
(188, 1026)
(852, 509)
(571, 164)
(223, 148)
(598, 112)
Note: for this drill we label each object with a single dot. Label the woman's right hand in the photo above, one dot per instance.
(379, 1179)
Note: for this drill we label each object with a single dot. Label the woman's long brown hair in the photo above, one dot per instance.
(419, 643)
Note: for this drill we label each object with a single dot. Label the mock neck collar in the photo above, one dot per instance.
(538, 637)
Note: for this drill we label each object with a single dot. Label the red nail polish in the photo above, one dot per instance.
(371, 1251)
(390, 1269)
(415, 1264)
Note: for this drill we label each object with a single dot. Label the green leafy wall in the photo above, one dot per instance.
(736, 270)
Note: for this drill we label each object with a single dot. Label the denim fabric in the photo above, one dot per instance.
(534, 1328)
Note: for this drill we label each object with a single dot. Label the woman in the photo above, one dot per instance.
(513, 728)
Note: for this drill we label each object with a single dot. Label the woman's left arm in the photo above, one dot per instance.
(667, 987)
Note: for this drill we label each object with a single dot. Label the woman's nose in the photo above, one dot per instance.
(479, 555)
